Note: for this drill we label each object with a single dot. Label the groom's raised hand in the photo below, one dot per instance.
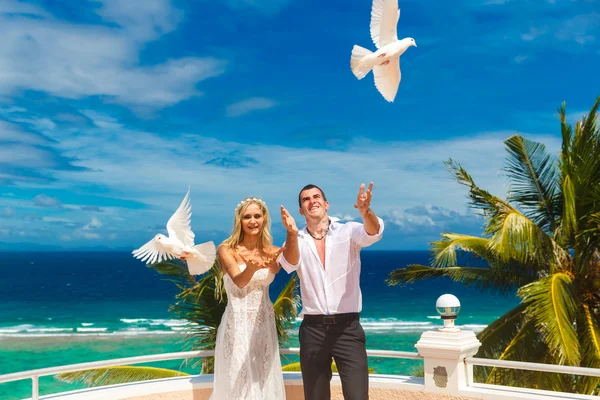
(363, 200)
(288, 221)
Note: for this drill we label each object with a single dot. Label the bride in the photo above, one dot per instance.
(247, 363)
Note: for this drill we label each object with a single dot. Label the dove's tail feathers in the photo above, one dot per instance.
(202, 263)
(360, 70)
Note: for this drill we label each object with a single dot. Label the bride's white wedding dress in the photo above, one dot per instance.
(247, 364)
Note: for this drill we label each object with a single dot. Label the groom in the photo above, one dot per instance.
(326, 254)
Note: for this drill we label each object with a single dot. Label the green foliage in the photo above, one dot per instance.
(544, 240)
(116, 375)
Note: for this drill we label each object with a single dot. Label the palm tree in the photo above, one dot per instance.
(543, 241)
(202, 303)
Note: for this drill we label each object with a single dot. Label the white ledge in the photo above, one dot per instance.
(190, 383)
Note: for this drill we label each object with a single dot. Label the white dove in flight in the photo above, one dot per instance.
(385, 62)
(180, 243)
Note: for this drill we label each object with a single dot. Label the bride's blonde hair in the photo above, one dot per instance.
(237, 234)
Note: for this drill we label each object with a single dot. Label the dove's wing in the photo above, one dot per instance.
(387, 78)
(179, 223)
(153, 252)
(384, 19)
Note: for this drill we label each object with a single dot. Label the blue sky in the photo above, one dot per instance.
(109, 109)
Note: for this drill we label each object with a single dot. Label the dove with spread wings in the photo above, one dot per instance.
(179, 243)
(385, 62)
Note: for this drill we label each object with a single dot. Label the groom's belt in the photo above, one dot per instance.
(329, 319)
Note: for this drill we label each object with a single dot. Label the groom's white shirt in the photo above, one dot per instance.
(334, 289)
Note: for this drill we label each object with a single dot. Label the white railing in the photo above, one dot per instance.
(529, 366)
(35, 374)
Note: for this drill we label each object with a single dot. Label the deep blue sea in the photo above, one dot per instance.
(70, 307)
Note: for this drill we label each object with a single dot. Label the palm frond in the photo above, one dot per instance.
(551, 304)
(497, 281)
(533, 180)
(516, 237)
(445, 250)
(416, 272)
(176, 270)
(116, 375)
(286, 309)
(509, 229)
(589, 337)
(565, 130)
(203, 306)
(496, 336)
(490, 205)
(569, 210)
(524, 345)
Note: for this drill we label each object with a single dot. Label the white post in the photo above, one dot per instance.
(444, 353)
(35, 387)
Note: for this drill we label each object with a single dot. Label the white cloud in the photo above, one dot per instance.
(409, 175)
(13, 7)
(520, 58)
(101, 120)
(14, 133)
(59, 220)
(8, 212)
(88, 235)
(581, 28)
(94, 224)
(252, 104)
(42, 200)
(406, 173)
(145, 19)
(533, 34)
(76, 60)
(344, 217)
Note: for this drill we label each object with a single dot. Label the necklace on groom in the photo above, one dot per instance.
(323, 234)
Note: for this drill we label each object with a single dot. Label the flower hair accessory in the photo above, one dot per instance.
(248, 200)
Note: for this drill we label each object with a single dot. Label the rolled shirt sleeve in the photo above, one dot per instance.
(289, 268)
(362, 238)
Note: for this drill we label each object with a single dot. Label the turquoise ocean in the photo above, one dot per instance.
(62, 308)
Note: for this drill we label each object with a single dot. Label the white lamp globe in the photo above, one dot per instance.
(448, 306)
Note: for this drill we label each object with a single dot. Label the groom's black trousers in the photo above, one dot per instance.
(341, 337)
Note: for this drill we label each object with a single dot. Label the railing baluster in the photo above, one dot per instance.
(35, 387)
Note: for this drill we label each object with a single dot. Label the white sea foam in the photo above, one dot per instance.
(168, 322)
(473, 327)
(16, 328)
(92, 329)
(87, 324)
(136, 329)
(134, 321)
(48, 330)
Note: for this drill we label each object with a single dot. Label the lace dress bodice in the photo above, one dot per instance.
(247, 364)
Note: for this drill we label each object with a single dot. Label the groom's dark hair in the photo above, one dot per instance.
(307, 187)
